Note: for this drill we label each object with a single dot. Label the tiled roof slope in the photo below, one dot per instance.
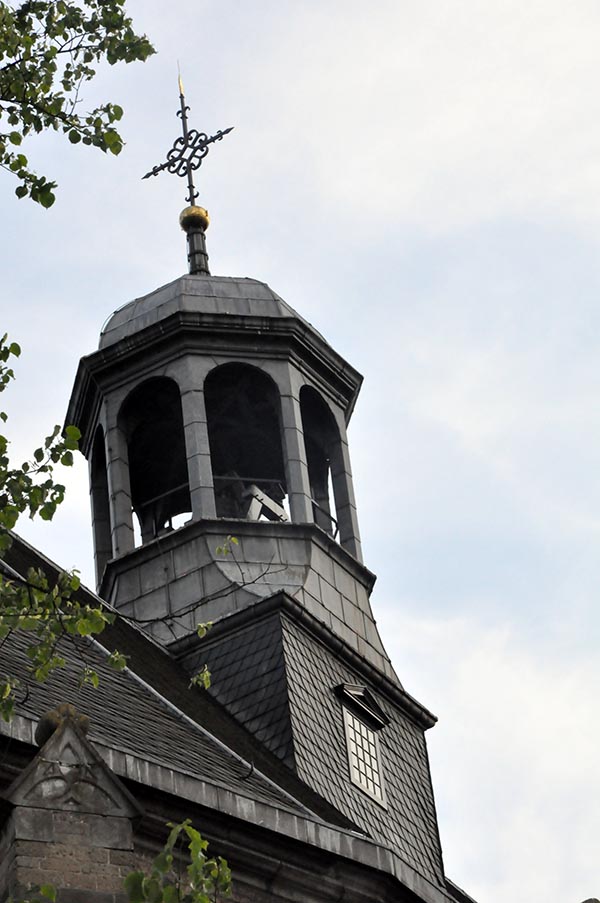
(127, 716)
(160, 676)
(279, 665)
(248, 677)
(409, 823)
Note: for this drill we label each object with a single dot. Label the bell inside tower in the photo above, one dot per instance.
(152, 422)
(244, 432)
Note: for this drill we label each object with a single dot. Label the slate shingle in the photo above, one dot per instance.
(409, 822)
(127, 716)
(278, 679)
(248, 677)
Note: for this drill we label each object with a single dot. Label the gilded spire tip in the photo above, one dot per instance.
(185, 156)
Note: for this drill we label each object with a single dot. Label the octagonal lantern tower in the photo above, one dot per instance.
(214, 419)
(210, 410)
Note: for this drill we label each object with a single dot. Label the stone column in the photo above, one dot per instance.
(119, 491)
(343, 490)
(200, 476)
(296, 469)
(100, 505)
(191, 377)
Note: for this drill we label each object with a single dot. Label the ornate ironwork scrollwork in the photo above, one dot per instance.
(188, 151)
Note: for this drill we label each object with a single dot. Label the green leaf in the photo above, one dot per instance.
(21, 191)
(163, 862)
(134, 888)
(113, 141)
(98, 619)
(5, 542)
(152, 890)
(46, 198)
(15, 138)
(25, 623)
(94, 621)
(48, 891)
(7, 709)
(74, 136)
(84, 627)
(175, 832)
(201, 679)
(117, 661)
(48, 511)
(50, 439)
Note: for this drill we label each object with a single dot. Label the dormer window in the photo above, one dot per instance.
(363, 718)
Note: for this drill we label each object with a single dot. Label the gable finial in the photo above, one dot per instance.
(183, 159)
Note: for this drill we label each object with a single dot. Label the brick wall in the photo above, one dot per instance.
(86, 857)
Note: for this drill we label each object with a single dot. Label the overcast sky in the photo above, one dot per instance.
(421, 181)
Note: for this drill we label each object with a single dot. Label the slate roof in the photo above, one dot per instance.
(127, 716)
(274, 673)
(409, 822)
(155, 715)
(202, 294)
(248, 677)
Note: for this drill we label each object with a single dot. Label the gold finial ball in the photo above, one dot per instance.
(194, 218)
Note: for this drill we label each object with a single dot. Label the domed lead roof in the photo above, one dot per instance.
(203, 294)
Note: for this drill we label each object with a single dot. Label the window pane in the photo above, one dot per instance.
(363, 755)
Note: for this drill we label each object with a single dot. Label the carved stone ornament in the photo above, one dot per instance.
(49, 722)
(69, 775)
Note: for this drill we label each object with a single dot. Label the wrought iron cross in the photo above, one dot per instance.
(188, 151)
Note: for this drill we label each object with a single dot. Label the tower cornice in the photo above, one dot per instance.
(245, 336)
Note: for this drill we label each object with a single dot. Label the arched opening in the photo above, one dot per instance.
(100, 504)
(244, 432)
(152, 421)
(321, 441)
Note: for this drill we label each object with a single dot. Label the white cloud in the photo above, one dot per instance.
(513, 757)
(439, 114)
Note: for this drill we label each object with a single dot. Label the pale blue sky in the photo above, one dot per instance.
(421, 182)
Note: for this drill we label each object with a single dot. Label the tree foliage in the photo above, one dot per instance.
(45, 609)
(49, 49)
(203, 880)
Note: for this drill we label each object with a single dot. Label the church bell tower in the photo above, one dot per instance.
(214, 419)
(212, 409)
